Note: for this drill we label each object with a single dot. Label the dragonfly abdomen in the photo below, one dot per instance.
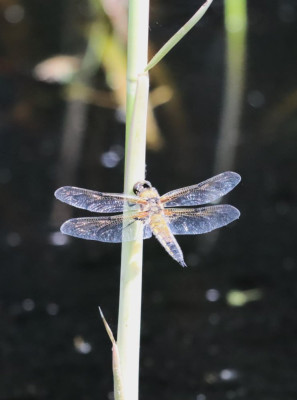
(162, 232)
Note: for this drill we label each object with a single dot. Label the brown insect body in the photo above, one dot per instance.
(157, 219)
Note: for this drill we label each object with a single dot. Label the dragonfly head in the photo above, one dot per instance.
(140, 186)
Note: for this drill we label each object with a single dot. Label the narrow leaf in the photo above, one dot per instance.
(116, 367)
(179, 35)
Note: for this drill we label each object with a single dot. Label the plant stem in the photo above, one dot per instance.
(128, 337)
(179, 35)
(236, 30)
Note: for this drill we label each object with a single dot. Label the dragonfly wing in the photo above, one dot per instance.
(96, 201)
(187, 221)
(202, 193)
(112, 229)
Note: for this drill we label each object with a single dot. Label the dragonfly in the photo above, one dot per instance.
(147, 213)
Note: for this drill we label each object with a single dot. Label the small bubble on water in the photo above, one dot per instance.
(13, 239)
(52, 308)
(110, 159)
(81, 346)
(212, 295)
(28, 305)
(228, 374)
(255, 98)
(58, 239)
(211, 378)
(14, 13)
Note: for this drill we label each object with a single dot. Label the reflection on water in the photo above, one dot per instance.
(81, 345)
(111, 158)
(28, 305)
(58, 239)
(238, 298)
(212, 295)
(14, 13)
(52, 309)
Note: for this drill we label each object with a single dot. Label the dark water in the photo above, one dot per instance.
(196, 344)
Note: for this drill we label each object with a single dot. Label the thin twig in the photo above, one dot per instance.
(179, 35)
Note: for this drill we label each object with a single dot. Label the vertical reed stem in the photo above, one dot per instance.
(236, 30)
(128, 337)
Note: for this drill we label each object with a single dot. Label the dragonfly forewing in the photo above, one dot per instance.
(202, 193)
(97, 201)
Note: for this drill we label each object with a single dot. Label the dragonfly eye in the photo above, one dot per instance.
(141, 186)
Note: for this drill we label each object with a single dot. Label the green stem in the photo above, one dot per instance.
(128, 337)
(236, 30)
(178, 35)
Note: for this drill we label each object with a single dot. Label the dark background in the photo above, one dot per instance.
(196, 345)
